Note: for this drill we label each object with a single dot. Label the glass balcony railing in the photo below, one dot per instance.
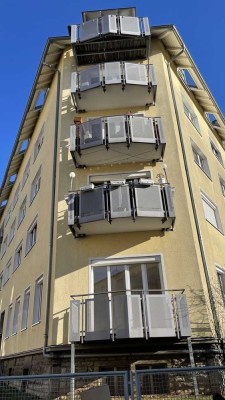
(96, 88)
(110, 25)
(114, 207)
(129, 314)
(139, 138)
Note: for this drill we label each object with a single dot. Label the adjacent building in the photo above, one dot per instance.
(113, 206)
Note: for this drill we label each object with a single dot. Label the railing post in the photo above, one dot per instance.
(191, 355)
(72, 380)
(138, 386)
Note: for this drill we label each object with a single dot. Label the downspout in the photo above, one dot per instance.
(197, 225)
(52, 216)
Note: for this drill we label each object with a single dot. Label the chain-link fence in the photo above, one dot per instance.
(88, 386)
(179, 383)
(146, 384)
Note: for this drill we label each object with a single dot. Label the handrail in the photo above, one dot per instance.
(125, 291)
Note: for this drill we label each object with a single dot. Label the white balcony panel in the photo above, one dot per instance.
(71, 208)
(149, 201)
(109, 24)
(89, 30)
(142, 130)
(74, 82)
(120, 202)
(136, 74)
(91, 133)
(146, 26)
(112, 73)
(89, 78)
(130, 26)
(72, 137)
(97, 320)
(127, 316)
(159, 314)
(91, 206)
(74, 332)
(116, 129)
(183, 315)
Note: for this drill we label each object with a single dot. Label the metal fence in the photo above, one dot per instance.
(146, 384)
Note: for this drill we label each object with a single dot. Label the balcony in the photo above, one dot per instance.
(121, 207)
(129, 314)
(117, 139)
(111, 38)
(113, 85)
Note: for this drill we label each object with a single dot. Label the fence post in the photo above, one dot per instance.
(72, 380)
(191, 355)
(138, 386)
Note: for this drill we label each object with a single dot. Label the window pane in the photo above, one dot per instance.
(117, 278)
(136, 277)
(100, 280)
(153, 276)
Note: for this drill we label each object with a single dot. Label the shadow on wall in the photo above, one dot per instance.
(60, 324)
(199, 312)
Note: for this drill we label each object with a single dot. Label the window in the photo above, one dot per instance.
(1, 280)
(22, 211)
(211, 212)
(12, 231)
(35, 186)
(6, 275)
(8, 323)
(191, 115)
(221, 281)
(186, 76)
(216, 152)
(39, 142)
(16, 316)
(26, 302)
(37, 300)
(200, 159)
(26, 174)
(4, 246)
(18, 257)
(31, 236)
(16, 197)
(7, 217)
(222, 184)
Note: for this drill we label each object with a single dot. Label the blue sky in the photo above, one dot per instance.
(26, 25)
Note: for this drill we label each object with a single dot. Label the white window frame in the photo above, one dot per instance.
(191, 115)
(39, 142)
(26, 174)
(222, 185)
(35, 186)
(214, 208)
(220, 272)
(25, 313)
(16, 316)
(8, 322)
(4, 246)
(7, 216)
(37, 306)
(216, 152)
(16, 197)
(22, 211)
(6, 274)
(31, 236)
(12, 231)
(200, 159)
(18, 257)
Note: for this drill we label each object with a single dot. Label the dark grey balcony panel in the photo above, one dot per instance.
(89, 30)
(130, 26)
(91, 205)
(169, 201)
(183, 315)
(89, 78)
(91, 133)
(74, 332)
(97, 318)
(127, 316)
(71, 206)
(72, 137)
(149, 201)
(142, 130)
(160, 319)
(116, 129)
(136, 74)
(120, 202)
(112, 73)
(109, 24)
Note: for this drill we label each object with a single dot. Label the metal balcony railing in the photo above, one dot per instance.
(139, 138)
(137, 82)
(110, 25)
(114, 208)
(129, 314)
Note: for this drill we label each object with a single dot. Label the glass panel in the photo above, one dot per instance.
(153, 277)
(130, 25)
(116, 129)
(91, 134)
(136, 277)
(117, 278)
(89, 30)
(120, 202)
(100, 280)
(89, 78)
(136, 73)
(112, 73)
(142, 130)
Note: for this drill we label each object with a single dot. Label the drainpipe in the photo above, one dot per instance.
(197, 225)
(52, 207)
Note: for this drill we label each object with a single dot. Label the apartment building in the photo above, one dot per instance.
(113, 206)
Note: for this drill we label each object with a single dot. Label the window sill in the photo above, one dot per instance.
(36, 323)
(28, 251)
(219, 230)
(193, 125)
(24, 329)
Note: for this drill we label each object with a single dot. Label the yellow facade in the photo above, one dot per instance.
(179, 249)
